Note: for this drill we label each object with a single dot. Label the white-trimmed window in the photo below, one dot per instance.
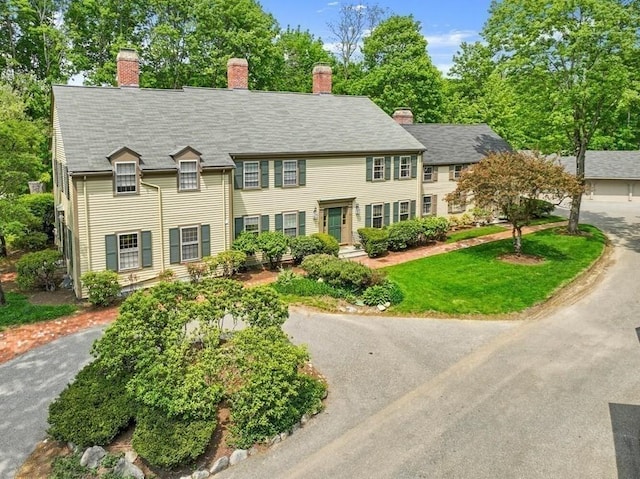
(252, 224)
(189, 243)
(403, 213)
(377, 215)
(458, 205)
(428, 173)
(405, 167)
(128, 251)
(188, 175)
(290, 173)
(126, 177)
(251, 174)
(290, 224)
(456, 171)
(378, 169)
(428, 207)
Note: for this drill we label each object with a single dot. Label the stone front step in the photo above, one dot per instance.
(348, 252)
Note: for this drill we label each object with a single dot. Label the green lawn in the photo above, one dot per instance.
(20, 311)
(474, 281)
(475, 232)
(547, 219)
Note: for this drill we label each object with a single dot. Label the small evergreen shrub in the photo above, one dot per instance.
(434, 228)
(330, 245)
(92, 410)
(68, 467)
(303, 246)
(30, 241)
(347, 275)
(103, 286)
(309, 287)
(313, 265)
(386, 292)
(227, 263)
(541, 208)
(273, 245)
(167, 442)
(37, 270)
(247, 243)
(404, 234)
(375, 241)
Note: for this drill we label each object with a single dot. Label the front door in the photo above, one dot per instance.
(335, 223)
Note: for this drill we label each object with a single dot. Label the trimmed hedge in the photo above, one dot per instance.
(92, 409)
(303, 246)
(404, 234)
(103, 287)
(169, 442)
(330, 245)
(349, 275)
(375, 241)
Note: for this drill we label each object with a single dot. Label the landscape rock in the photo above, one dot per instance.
(220, 465)
(381, 307)
(284, 435)
(253, 451)
(295, 427)
(131, 456)
(124, 468)
(275, 440)
(387, 304)
(92, 456)
(359, 303)
(342, 309)
(304, 419)
(200, 475)
(237, 456)
(351, 309)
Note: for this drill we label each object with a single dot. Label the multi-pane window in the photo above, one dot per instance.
(290, 172)
(128, 251)
(252, 224)
(126, 181)
(427, 173)
(404, 211)
(189, 243)
(290, 224)
(458, 205)
(427, 205)
(188, 175)
(457, 171)
(377, 215)
(405, 167)
(251, 174)
(378, 169)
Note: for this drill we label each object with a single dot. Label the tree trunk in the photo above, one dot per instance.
(574, 215)
(3, 246)
(3, 300)
(516, 232)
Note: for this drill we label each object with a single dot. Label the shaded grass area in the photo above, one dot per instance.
(475, 281)
(20, 311)
(546, 220)
(475, 232)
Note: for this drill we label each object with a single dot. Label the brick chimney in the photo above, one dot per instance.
(128, 68)
(237, 74)
(403, 116)
(322, 79)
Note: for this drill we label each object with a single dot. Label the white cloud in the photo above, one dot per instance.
(333, 4)
(359, 7)
(452, 38)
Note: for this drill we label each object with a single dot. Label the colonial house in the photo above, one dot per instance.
(609, 175)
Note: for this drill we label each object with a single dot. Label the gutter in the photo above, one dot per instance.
(161, 218)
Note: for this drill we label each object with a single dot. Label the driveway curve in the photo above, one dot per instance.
(554, 397)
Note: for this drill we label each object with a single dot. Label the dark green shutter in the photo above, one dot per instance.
(301, 220)
(396, 211)
(367, 216)
(174, 245)
(387, 211)
(205, 240)
(414, 166)
(369, 168)
(70, 246)
(146, 249)
(279, 222)
(412, 209)
(264, 171)
(111, 250)
(396, 167)
(238, 176)
(264, 223)
(387, 168)
(238, 226)
(302, 172)
(278, 173)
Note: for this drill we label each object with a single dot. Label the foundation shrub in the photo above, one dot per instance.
(38, 270)
(375, 241)
(303, 246)
(330, 245)
(103, 287)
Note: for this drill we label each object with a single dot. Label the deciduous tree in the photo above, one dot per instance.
(513, 183)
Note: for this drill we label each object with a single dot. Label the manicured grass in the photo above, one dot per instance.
(547, 219)
(20, 311)
(474, 281)
(474, 233)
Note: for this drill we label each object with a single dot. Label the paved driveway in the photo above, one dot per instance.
(553, 398)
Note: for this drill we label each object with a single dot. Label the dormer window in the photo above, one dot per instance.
(126, 177)
(188, 175)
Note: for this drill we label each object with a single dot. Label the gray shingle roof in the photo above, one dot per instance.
(453, 144)
(95, 121)
(607, 164)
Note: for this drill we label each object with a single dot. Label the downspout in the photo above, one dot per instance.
(86, 222)
(161, 220)
(224, 208)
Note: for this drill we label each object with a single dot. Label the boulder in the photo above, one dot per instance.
(220, 465)
(92, 456)
(237, 456)
(200, 475)
(124, 468)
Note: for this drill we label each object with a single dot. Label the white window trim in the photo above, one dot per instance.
(244, 222)
(244, 175)
(458, 173)
(407, 171)
(284, 181)
(431, 205)
(373, 217)
(180, 173)
(284, 228)
(424, 173)
(115, 172)
(408, 213)
(382, 172)
(138, 251)
(182, 243)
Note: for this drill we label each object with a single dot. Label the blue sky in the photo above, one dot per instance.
(445, 23)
